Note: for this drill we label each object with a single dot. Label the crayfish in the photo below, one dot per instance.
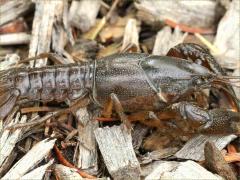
(160, 91)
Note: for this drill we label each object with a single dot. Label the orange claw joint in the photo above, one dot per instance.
(215, 121)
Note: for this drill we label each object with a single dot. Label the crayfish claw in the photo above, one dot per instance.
(222, 122)
(215, 121)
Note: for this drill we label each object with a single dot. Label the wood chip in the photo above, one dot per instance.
(9, 139)
(177, 170)
(37, 173)
(190, 170)
(14, 39)
(65, 173)
(115, 144)
(88, 157)
(165, 40)
(130, 38)
(82, 14)
(11, 10)
(30, 160)
(194, 148)
(42, 28)
(216, 163)
(228, 43)
(160, 168)
(9, 61)
(198, 12)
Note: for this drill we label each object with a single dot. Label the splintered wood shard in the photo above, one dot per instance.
(30, 160)
(165, 40)
(37, 173)
(228, 43)
(8, 140)
(198, 13)
(65, 173)
(15, 38)
(11, 10)
(115, 144)
(42, 28)
(83, 13)
(87, 158)
(194, 148)
(130, 38)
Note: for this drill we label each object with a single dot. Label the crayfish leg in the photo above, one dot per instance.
(114, 103)
(202, 56)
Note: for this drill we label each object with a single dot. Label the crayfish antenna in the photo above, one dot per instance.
(224, 84)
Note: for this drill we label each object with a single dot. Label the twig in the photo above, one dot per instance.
(232, 157)
(65, 162)
(33, 123)
(109, 14)
(103, 119)
(213, 48)
(37, 109)
(188, 29)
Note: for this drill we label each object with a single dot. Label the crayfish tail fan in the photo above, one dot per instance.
(8, 95)
(8, 104)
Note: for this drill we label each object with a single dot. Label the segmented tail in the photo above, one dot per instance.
(8, 95)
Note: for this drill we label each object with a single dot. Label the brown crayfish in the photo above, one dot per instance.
(160, 91)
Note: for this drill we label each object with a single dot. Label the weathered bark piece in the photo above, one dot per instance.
(82, 14)
(130, 38)
(198, 13)
(194, 148)
(9, 61)
(14, 39)
(216, 163)
(66, 173)
(115, 144)
(11, 10)
(44, 18)
(37, 173)
(87, 158)
(228, 37)
(165, 40)
(9, 139)
(31, 159)
(190, 170)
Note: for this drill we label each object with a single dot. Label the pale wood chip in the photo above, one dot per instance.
(115, 144)
(31, 159)
(194, 148)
